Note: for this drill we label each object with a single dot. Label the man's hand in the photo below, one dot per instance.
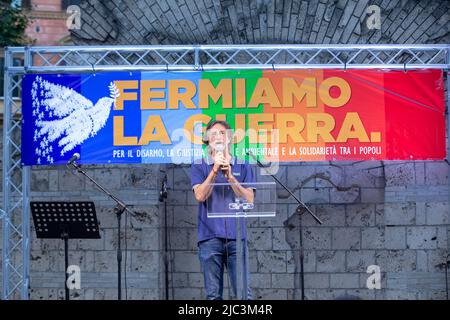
(226, 170)
(221, 163)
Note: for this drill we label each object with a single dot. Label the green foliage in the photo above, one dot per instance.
(13, 23)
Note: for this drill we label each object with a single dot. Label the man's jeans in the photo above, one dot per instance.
(213, 255)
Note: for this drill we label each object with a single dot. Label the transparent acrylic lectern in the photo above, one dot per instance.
(224, 202)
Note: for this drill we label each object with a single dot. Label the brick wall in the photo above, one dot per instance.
(263, 21)
(47, 22)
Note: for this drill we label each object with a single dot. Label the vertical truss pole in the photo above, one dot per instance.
(25, 232)
(16, 221)
(6, 178)
(26, 211)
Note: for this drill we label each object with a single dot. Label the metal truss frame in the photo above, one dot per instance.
(71, 59)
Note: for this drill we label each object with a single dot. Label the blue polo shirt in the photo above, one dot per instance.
(209, 228)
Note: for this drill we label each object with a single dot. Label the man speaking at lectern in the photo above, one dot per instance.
(217, 236)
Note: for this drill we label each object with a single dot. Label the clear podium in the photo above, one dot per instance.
(225, 201)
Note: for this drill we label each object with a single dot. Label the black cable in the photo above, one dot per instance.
(447, 263)
(168, 267)
(302, 254)
(166, 253)
(171, 258)
(446, 280)
(168, 258)
(126, 254)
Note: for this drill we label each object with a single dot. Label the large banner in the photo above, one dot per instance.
(285, 116)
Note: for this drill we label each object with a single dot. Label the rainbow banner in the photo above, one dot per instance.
(285, 116)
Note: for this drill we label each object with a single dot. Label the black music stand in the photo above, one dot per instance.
(65, 220)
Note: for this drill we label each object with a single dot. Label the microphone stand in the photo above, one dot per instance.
(162, 198)
(300, 212)
(119, 209)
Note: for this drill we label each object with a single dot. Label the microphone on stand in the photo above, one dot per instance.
(74, 158)
(249, 153)
(163, 191)
(261, 165)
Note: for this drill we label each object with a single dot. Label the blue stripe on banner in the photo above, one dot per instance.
(48, 103)
(100, 147)
(65, 114)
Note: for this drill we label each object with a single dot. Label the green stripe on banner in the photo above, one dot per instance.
(235, 115)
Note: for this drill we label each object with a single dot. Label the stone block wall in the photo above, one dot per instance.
(387, 214)
(391, 214)
(97, 258)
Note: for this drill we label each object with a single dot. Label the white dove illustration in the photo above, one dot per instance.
(71, 117)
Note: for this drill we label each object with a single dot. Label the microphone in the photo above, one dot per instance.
(249, 153)
(75, 157)
(163, 191)
(219, 149)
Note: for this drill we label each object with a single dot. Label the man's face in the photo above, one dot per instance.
(217, 134)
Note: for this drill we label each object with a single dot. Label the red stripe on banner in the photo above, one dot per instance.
(366, 105)
(415, 115)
